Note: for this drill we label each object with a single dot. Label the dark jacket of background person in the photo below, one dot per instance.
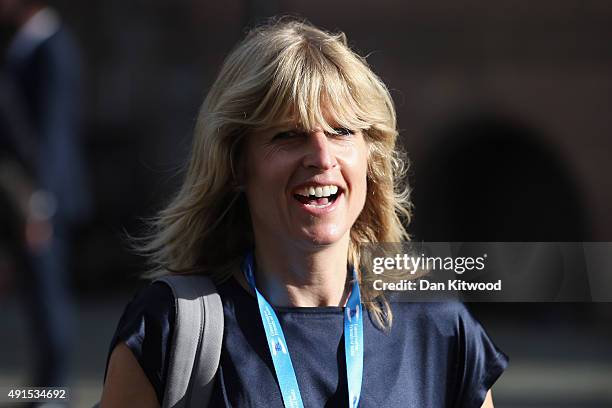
(46, 68)
(43, 68)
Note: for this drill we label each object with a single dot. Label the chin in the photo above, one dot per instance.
(328, 235)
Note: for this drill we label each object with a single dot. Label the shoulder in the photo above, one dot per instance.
(148, 316)
(447, 317)
(471, 355)
(154, 300)
(145, 327)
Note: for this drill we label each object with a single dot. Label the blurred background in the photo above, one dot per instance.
(504, 110)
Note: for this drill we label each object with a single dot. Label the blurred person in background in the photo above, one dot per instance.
(294, 164)
(43, 179)
(16, 185)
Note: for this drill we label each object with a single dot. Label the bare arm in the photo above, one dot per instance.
(488, 402)
(126, 384)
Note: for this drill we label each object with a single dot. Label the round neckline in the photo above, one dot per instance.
(243, 292)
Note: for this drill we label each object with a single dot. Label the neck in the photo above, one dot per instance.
(294, 277)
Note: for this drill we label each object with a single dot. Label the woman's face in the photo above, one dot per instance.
(305, 187)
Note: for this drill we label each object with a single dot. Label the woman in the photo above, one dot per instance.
(294, 164)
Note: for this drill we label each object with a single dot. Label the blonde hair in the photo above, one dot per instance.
(284, 69)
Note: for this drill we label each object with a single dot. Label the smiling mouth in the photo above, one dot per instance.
(324, 200)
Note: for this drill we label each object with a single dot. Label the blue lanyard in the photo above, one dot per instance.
(353, 343)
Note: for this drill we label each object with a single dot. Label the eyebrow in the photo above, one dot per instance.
(282, 126)
(299, 128)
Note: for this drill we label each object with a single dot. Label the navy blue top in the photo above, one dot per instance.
(436, 354)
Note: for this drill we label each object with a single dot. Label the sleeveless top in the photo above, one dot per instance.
(435, 355)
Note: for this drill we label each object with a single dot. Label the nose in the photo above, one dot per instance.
(319, 154)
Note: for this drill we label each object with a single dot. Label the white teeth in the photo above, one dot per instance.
(319, 206)
(319, 191)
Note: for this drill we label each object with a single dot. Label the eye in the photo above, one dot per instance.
(343, 131)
